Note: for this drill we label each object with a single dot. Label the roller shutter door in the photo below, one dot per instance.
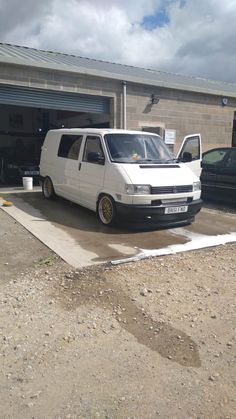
(50, 99)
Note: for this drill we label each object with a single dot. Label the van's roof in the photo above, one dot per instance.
(100, 131)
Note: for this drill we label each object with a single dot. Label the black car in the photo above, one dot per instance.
(13, 169)
(218, 175)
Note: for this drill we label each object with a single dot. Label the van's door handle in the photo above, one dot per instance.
(80, 164)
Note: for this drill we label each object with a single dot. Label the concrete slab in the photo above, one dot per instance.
(75, 234)
(17, 189)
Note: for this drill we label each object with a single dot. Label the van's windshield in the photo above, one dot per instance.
(137, 148)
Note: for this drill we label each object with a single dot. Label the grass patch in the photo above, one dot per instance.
(48, 261)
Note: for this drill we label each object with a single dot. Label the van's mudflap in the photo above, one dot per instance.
(156, 215)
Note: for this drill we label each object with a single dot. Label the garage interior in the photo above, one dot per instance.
(23, 126)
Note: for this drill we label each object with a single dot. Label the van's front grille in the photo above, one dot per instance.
(156, 190)
(171, 202)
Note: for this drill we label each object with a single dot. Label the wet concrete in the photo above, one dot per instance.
(82, 225)
(212, 221)
(106, 243)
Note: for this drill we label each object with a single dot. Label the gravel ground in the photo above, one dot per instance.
(143, 340)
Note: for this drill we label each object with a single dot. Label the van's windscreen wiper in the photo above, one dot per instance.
(149, 161)
(174, 160)
(160, 161)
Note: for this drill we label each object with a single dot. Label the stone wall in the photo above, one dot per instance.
(186, 112)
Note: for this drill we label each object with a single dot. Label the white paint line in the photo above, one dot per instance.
(196, 243)
(53, 237)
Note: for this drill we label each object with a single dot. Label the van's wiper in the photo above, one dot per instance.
(155, 161)
(148, 161)
(174, 160)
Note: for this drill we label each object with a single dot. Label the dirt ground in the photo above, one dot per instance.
(149, 339)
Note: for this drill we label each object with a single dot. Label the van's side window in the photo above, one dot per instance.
(92, 145)
(70, 146)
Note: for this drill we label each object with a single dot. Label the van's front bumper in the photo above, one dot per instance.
(155, 215)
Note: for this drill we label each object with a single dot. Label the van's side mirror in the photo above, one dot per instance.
(95, 157)
(186, 157)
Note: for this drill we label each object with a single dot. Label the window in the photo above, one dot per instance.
(231, 161)
(70, 146)
(155, 130)
(214, 157)
(133, 148)
(93, 145)
(192, 146)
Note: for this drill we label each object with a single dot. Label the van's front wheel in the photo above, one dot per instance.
(48, 189)
(106, 210)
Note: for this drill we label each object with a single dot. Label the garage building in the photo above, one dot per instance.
(42, 90)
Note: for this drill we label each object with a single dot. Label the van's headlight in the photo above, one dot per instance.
(138, 189)
(196, 186)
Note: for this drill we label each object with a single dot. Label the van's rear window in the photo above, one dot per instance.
(69, 147)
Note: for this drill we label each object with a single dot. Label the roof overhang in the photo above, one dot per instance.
(113, 76)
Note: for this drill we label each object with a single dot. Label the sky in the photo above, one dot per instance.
(189, 37)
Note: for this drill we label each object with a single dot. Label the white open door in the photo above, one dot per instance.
(190, 152)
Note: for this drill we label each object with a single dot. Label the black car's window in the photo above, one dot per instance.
(214, 157)
(92, 145)
(70, 146)
(231, 161)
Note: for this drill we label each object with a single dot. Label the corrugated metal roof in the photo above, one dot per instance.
(19, 55)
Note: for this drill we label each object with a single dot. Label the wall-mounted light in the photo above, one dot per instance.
(90, 121)
(224, 101)
(154, 99)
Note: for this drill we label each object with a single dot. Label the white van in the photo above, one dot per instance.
(123, 175)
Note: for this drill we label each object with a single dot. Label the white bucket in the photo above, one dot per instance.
(28, 183)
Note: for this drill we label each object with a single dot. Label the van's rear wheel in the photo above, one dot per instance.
(106, 210)
(48, 189)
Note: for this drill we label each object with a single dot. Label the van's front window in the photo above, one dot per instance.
(137, 148)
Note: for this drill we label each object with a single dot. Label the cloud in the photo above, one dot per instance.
(180, 36)
(15, 16)
(204, 32)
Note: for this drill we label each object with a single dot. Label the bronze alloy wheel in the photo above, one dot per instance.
(106, 210)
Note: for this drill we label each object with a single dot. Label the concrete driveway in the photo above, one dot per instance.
(75, 234)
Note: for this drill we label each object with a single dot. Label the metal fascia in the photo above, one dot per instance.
(113, 76)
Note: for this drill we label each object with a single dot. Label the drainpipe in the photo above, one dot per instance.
(124, 104)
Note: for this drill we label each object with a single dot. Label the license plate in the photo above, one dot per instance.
(33, 172)
(176, 210)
